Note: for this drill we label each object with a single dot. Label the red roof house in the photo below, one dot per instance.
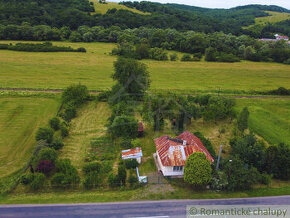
(171, 153)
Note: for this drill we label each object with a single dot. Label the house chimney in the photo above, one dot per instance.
(184, 142)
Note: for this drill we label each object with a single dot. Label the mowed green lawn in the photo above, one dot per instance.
(269, 118)
(20, 117)
(94, 69)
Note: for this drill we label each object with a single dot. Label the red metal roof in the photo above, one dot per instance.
(174, 152)
(132, 153)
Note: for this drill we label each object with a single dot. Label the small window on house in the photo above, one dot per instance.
(177, 168)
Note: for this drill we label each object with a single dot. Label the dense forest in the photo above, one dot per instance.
(75, 13)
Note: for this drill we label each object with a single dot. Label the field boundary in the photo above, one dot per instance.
(98, 92)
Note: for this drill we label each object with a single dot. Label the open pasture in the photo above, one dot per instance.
(94, 69)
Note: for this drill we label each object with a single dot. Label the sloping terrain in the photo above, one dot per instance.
(20, 117)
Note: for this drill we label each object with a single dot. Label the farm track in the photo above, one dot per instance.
(98, 92)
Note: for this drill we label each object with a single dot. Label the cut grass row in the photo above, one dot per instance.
(269, 118)
(94, 69)
(20, 117)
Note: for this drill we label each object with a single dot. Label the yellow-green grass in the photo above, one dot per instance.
(90, 123)
(269, 118)
(94, 69)
(103, 8)
(20, 117)
(273, 17)
(151, 192)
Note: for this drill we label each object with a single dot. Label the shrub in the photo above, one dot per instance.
(198, 55)
(265, 178)
(92, 167)
(104, 96)
(44, 134)
(69, 113)
(133, 180)
(82, 50)
(186, 57)
(124, 126)
(126, 143)
(26, 179)
(287, 61)
(122, 175)
(107, 166)
(158, 54)
(45, 166)
(92, 180)
(113, 180)
(211, 54)
(55, 123)
(57, 143)
(230, 58)
(174, 57)
(47, 154)
(71, 174)
(59, 180)
(131, 163)
(37, 181)
(197, 170)
(75, 95)
(64, 130)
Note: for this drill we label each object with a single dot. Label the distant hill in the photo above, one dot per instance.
(75, 13)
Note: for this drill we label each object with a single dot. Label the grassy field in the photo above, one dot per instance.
(274, 17)
(94, 69)
(20, 117)
(269, 118)
(103, 8)
(90, 123)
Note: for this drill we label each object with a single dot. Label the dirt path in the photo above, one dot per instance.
(97, 92)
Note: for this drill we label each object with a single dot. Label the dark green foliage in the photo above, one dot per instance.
(47, 154)
(132, 76)
(54, 123)
(186, 57)
(207, 144)
(66, 175)
(279, 91)
(124, 126)
(122, 175)
(57, 143)
(64, 130)
(131, 163)
(278, 161)
(197, 170)
(37, 182)
(265, 178)
(92, 167)
(26, 179)
(211, 54)
(104, 96)
(173, 57)
(107, 166)
(142, 51)
(92, 180)
(250, 151)
(113, 180)
(70, 112)
(75, 95)
(243, 119)
(44, 134)
(158, 54)
(219, 108)
(126, 143)
(240, 175)
(230, 58)
(133, 180)
(43, 47)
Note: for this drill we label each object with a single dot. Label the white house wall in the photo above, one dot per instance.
(168, 170)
